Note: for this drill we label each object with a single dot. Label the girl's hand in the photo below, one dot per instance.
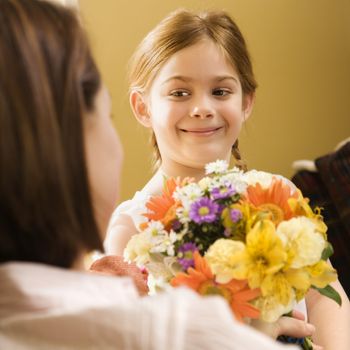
(116, 266)
(294, 326)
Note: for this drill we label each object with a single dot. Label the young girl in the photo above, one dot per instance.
(192, 84)
(56, 130)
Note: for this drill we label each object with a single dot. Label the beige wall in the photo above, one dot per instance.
(301, 54)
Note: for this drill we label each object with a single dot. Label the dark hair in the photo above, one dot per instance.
(183, 28)
(48, 80)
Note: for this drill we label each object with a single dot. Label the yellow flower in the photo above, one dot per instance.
(271, 309)
(303, 241)
(222, 259)
(321, 274)
(264, 254)
(300, 280)
(300, 207)
(279, 286)
(287, 285)
(137, 249)
(240, 228)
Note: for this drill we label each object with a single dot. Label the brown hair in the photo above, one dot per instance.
(48, 80)
(182, 29)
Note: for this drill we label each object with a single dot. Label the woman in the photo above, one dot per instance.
(59, 165)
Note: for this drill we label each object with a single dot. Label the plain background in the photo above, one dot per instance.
(301, 56)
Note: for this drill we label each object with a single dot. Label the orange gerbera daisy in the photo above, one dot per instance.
(273, 200)
(237, 293)
(163, 208)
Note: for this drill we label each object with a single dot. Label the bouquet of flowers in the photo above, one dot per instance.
(250, 237)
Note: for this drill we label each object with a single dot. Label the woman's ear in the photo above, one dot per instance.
(139, 107)
(248, 103)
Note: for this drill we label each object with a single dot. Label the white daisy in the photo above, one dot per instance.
(188, 194)
(217, 167)
(155, 228)
(183, 215)
(164, 243)
(236, 180)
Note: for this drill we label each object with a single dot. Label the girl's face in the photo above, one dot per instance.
(104, 158)
(195, 107)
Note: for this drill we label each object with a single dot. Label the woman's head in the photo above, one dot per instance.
(49, 84)
(182, 30)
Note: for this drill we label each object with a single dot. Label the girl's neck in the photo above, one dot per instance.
(155, 184)
(171, 169)
(175, 170)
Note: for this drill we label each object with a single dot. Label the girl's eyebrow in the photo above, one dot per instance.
(178, 77)
(185, 79)
(226, 77)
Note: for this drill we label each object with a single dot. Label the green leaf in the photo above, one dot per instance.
(327, 252)
(307, 345)
(330, 292)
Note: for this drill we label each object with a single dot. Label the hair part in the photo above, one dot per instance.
(181, 29)
(48, 81)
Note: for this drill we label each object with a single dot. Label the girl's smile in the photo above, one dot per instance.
(202, 132)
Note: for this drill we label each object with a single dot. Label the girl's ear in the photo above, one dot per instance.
(139, 107)
(248, 103)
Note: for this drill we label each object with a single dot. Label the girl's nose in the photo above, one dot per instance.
(201, 112)
(202, 108)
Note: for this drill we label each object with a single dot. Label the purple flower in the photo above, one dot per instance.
(189, 246)
(221, 208)
(224, 192)
(204, 210)
(176, 225)
(235, 215)
(185, 255)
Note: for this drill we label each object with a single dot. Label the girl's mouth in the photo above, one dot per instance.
(202, 131)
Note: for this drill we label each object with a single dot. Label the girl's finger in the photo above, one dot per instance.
(294, 327)
(298, 315)
(316, 347)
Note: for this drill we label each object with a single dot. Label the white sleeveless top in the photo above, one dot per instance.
(132, 207)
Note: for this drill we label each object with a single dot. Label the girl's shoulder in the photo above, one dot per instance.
(124, 223)
(286, 181)
(137, 203)
(128, 216)
(133, 207)
(264, 178)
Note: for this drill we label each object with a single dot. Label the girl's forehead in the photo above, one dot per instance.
(204, 59)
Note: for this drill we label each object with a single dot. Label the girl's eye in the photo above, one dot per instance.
(179, 93)
(221, 92)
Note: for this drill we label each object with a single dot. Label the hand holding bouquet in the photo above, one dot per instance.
(250, 237)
